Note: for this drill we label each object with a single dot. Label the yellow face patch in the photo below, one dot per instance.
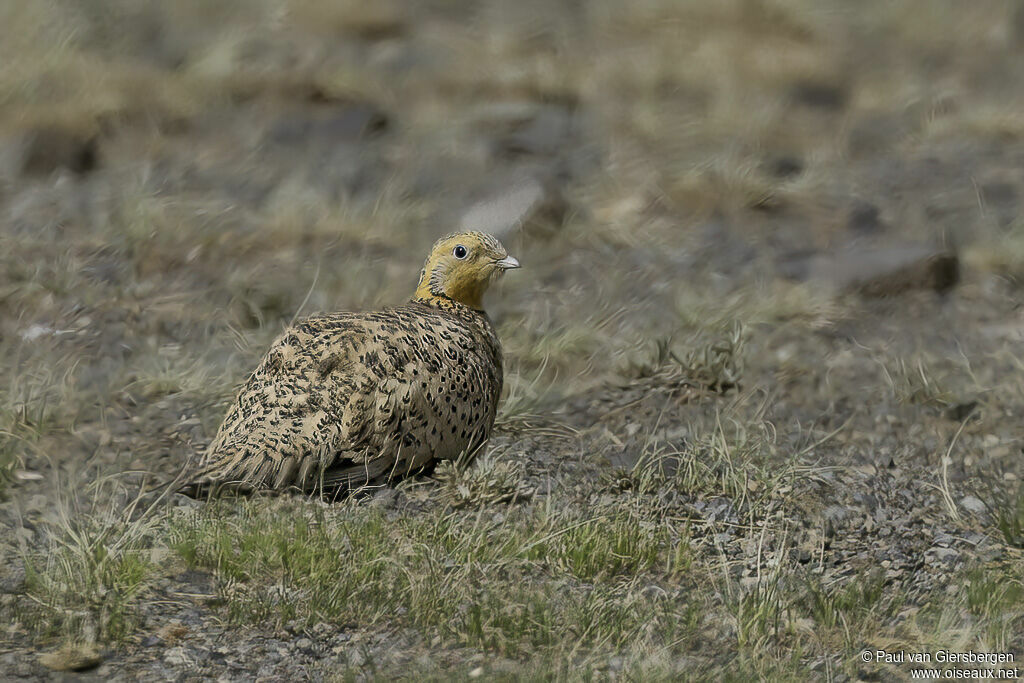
(461, 267)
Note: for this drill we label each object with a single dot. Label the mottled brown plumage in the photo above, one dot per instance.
(348, 399)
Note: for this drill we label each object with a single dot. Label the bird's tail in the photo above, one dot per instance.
(246, 473)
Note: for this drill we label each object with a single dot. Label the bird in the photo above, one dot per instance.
(347, 400)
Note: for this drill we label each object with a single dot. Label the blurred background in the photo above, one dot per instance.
(181, 179)
(835, 187)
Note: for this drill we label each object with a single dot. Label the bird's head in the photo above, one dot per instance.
(461, 266)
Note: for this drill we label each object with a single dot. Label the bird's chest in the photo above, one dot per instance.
(452, 407)
(465, 378)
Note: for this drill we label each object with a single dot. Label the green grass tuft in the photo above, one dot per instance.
(86, 586)
(511, 584)
(1009, 518)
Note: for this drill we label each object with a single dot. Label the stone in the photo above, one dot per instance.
(177, 656)
(818, 95)
(958, 412)
(864, 219)
(944, 555)
(13, 579)
(875, 134)
(527, 204)
(526, 129)
(785, 166)
(542, 135)
(40, 151)
(72, 657)
(330, 123)
(973, 504)
(876, 271)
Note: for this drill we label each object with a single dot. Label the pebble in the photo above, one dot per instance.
(972, 504)
(946, 555)
(177, 656)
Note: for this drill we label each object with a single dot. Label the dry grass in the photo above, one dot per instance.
(86, 584)
(708, 138)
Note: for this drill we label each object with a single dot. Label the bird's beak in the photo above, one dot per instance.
(507, 263)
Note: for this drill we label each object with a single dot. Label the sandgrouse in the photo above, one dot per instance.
(344, 400)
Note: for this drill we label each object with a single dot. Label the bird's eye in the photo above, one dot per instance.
(460, 251)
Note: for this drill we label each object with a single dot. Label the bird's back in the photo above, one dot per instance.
(346, 399)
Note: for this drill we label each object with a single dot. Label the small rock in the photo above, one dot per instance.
(355, 657)
(974, 538)
(945, 555)
(818, 95)
(785, 166)
(972, 504)
(72, 657)
(34, 332)
(864, 219)
(524, 129)
(42, 150)
(1000, 199)
(895, 270)
(386, 498)
(866, 500)
(13, 579)
(177, 656)
(876, 133)
(340, 122)
(170, 633)
(526, 204)
(837, 514)
(877, 271)
(543, 135)
(798, 264)
(304, 645)
(15, 665)
(378, 21)
(960, 411)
